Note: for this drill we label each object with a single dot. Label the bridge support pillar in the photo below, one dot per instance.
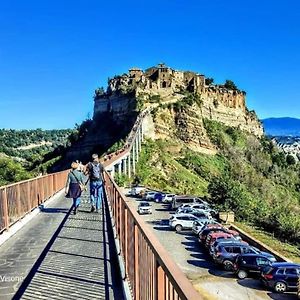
(140, 139)
(129, 166)
(133, 158)
(142, 132)
(112, 172)
(124, 162)
(137, 148)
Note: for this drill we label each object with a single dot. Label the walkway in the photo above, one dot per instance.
(58, 255)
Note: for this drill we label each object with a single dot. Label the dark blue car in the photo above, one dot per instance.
(281, 276)
(158, 197)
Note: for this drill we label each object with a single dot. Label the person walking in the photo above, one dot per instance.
(94, 170)
(74, 186)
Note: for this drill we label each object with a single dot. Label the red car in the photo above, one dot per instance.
(213, 236)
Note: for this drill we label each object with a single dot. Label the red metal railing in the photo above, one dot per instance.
(150, 271)
(17, 199)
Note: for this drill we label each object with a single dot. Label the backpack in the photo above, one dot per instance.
(95, 171)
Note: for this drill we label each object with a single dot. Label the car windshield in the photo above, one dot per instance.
(144, 204)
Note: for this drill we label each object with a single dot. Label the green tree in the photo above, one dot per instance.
(209, 81)
(229, 84)
(290, 159)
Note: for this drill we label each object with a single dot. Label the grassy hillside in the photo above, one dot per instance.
(26, 153)
(31, 145)
(249, 176)
(12, 171)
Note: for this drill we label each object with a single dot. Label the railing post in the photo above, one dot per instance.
(38, 195)
(136, 263)
(5, 209)
(125, 239)
(160, 283)
(29, 200)
(18, 200)
(55, 182)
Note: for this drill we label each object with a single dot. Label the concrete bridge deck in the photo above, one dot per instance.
(58, 255)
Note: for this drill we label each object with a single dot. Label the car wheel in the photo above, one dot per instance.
(280, 287)
(228, 265)
(242, 274)
(178, 228)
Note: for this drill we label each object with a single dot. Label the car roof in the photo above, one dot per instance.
(143, 202)
(220, 234)
(186, 197)
(233, 244)
(253, 254)
(285, 264)
(183, 214)
(230, 240)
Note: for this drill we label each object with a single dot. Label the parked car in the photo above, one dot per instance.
(144, 208)
(203, 235)
(181, 200)
(233, 240)
(158, 197)
(137, 190)
(281, 276)
(213, 236)
(168, 198)
(226, 254)
(149, 195)
(200, 213)
(199, 206)
(200, 224)
(250, 265)
(182, 221)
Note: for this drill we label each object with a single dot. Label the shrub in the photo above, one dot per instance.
(229, 84)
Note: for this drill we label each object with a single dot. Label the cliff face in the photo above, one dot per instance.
(181, 100)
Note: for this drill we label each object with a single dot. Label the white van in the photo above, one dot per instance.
(179, 200)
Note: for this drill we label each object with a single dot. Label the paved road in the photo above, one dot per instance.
(208, 279)
(58, 255)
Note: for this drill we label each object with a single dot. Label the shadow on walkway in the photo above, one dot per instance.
(79, 261)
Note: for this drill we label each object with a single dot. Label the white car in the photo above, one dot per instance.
(144, 208)
(149, 195)
(182, 221)
(199, 213)
(198, 206)
(137, 190)
(168, 198)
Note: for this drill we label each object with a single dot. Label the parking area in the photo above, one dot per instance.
(211, 281)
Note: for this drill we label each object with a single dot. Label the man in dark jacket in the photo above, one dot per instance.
(94, 170)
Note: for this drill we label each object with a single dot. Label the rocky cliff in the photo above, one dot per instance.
(181, 100)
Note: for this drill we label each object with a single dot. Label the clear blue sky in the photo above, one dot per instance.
(53, 54)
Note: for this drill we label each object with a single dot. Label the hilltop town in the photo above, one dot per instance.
(162, 84)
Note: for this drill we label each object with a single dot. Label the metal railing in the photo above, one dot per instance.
(150, 271)
(18, 199)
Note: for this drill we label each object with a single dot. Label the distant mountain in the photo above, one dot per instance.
(282, 126)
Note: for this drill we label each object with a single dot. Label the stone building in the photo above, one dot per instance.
(218, 102)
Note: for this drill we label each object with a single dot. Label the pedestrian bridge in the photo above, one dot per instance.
(58, 255)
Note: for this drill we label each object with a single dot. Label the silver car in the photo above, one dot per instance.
(182, 221)
(144, 208)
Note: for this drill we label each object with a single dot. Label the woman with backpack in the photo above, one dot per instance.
(94, 170)
(74, 186)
